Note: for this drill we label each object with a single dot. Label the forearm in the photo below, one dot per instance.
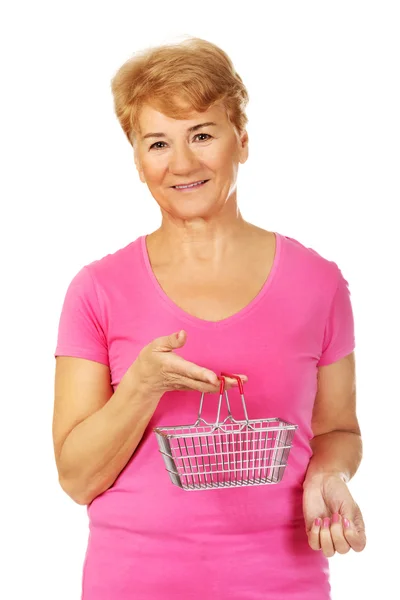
(98, 448)
(337, 452)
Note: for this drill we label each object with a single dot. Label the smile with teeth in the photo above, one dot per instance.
(191, 185)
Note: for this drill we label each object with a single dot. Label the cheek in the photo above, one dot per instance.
(218, 163)
(153, 172)
(224, 158)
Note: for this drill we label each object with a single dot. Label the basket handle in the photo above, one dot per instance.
(222, 392)
(241, 390)
(240, 383)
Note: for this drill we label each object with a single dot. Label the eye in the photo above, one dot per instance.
(206, 134)
(156, 147)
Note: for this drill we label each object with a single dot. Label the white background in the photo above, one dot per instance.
(323, 79)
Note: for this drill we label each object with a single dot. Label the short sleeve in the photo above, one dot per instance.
(339, 339)
(80, 330)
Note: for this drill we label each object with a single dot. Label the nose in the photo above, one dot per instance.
(182, 160)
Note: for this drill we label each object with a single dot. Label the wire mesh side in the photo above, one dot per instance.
(237, 454)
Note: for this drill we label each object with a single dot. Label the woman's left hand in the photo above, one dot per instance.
(333, 520)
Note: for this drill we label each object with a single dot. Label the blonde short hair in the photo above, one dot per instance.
(176, 79)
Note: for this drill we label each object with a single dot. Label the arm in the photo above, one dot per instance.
(95, 431)
(337, 444)
(333, 519)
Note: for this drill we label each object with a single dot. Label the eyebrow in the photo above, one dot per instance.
(194, 128)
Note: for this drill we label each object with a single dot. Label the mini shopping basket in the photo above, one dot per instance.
(226, 454)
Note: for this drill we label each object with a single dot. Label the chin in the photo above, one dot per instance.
(188, 212)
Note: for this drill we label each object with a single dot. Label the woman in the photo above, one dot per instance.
(144, 330)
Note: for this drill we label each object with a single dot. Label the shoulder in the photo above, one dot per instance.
(307, 264)
(106, 273)
(115, 265)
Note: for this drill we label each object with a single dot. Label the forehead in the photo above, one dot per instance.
(151, 119)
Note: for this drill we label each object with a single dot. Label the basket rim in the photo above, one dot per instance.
(168, 430)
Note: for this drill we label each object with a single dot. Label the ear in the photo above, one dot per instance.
(243, 147)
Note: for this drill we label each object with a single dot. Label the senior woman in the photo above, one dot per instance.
(144, 330)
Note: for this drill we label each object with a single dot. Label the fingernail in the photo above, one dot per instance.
(346, 523)
(317, 522)
(335, 518)
(327, 522)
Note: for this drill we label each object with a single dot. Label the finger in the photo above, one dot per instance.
(185, 368)
(326, 539)
(178, 366)
(167, 343)
(231, 381)
(339, 541)
(313, 536)
(355, 537)
(242, 377)
(180, 382)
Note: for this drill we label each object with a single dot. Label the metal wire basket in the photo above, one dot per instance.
(226, 454)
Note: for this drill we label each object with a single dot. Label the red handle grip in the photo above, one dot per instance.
(240, 384)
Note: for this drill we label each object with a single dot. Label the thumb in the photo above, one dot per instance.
(167, 343)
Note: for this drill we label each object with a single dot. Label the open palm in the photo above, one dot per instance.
(333, 520)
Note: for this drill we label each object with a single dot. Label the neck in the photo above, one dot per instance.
(200, 237)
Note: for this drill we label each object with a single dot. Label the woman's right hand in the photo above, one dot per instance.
(158, 369)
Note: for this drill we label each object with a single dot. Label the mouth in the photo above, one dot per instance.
(190, 186)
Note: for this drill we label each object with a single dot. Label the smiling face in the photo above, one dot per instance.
(185, 151)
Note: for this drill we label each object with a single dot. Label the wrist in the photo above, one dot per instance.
(317, 477)
(139, 388)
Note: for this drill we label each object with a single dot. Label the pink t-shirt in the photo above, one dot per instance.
(151, 540)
